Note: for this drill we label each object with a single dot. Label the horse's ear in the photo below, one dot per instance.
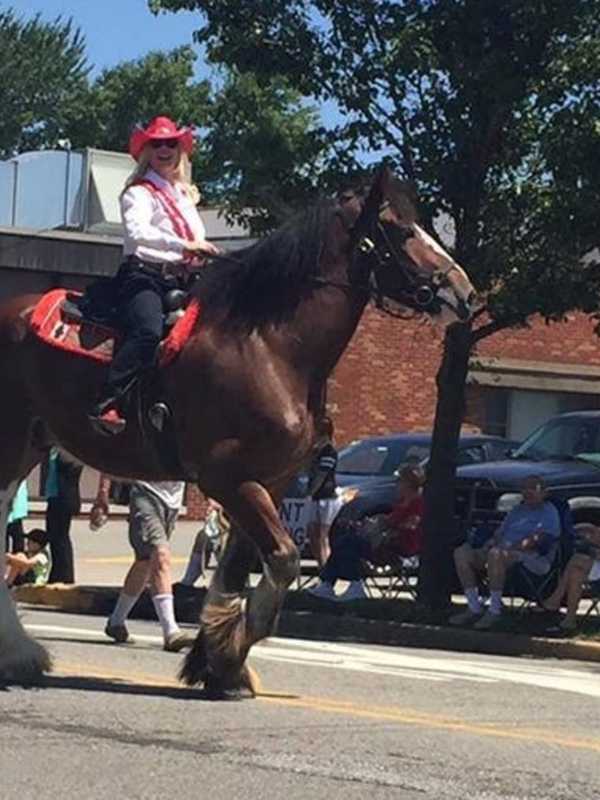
(406, 201)
(402, 194)
(377, 191)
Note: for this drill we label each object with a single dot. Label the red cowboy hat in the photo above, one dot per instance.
(160, 128)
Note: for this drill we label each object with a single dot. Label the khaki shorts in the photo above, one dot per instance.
(151, 522)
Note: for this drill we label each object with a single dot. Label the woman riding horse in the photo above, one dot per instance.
(164, 235)
(245, 394)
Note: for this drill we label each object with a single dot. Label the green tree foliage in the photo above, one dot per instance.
(492, 109)
(42, 74)
(263, 151)
(135, 91)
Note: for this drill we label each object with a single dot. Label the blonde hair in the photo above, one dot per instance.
(182, 170)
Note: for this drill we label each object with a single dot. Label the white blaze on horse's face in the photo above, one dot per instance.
(455, 287)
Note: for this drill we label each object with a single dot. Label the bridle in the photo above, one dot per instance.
(372, 252)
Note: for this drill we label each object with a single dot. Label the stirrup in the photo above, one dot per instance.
(159, 414)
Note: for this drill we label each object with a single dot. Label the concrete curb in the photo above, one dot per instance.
(303, 618)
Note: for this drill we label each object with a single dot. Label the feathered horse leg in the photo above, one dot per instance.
(230, 624)
(23, 661)
(219, 650)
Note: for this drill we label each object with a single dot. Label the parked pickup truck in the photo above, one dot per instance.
(564, 451)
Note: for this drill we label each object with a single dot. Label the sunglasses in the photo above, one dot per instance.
(157, 143)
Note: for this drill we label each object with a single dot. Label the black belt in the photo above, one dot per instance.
(155, 267)
(165, 270)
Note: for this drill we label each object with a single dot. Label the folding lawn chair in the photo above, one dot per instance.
(534, 589)
(592, 591)
(391, 580)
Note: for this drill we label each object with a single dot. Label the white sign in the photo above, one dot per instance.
(295, 515)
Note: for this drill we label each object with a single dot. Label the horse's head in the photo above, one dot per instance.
(405, 264)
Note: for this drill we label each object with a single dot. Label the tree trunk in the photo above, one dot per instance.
(436, 569)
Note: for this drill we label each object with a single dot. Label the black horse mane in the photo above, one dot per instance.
(266, 281)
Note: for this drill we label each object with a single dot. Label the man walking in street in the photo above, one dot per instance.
(153, 510)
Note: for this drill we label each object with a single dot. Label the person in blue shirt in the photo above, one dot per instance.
(528, 534)
(14, 525)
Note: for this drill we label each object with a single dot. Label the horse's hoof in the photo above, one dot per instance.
(215, 689)
(220, 694)
(26, 668)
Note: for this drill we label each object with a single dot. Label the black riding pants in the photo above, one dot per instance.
(140, 314)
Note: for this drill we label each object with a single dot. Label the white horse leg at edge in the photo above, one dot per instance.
(22, 660)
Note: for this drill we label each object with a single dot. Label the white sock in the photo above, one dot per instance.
(473, 600)
(495, 601)
(194, 569)
(121, 611)
(165, 611)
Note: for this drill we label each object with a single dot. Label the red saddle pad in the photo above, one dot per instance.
(86, 339)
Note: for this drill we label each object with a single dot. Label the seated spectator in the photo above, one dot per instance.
(528, 535)
(396, 535)
(33, 566)
(581, 568)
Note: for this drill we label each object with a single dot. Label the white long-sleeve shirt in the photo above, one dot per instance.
(149, 232)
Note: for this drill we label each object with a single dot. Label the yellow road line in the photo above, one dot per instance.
(397, 715)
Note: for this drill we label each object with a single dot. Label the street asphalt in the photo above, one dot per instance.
(334, 721)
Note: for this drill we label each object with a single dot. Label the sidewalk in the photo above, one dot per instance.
(102, 559)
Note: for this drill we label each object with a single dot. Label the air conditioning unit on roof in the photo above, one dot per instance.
(106, 174)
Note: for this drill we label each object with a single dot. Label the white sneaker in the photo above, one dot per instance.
(323, 590)
(356, 591)
(465, 618)
(488, 621)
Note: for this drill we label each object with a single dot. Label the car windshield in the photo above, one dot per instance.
(380, 457)
(570, 437)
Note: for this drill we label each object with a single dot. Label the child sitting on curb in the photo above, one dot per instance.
(32, 566)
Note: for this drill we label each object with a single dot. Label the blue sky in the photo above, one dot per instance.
(116, 30)
(125, 30)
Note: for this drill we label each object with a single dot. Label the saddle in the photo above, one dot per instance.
(85, 324)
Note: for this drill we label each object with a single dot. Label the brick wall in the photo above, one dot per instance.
(572, 342)
(385, 380)
(195, 502)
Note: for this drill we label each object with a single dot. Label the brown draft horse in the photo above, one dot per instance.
(245, 394)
